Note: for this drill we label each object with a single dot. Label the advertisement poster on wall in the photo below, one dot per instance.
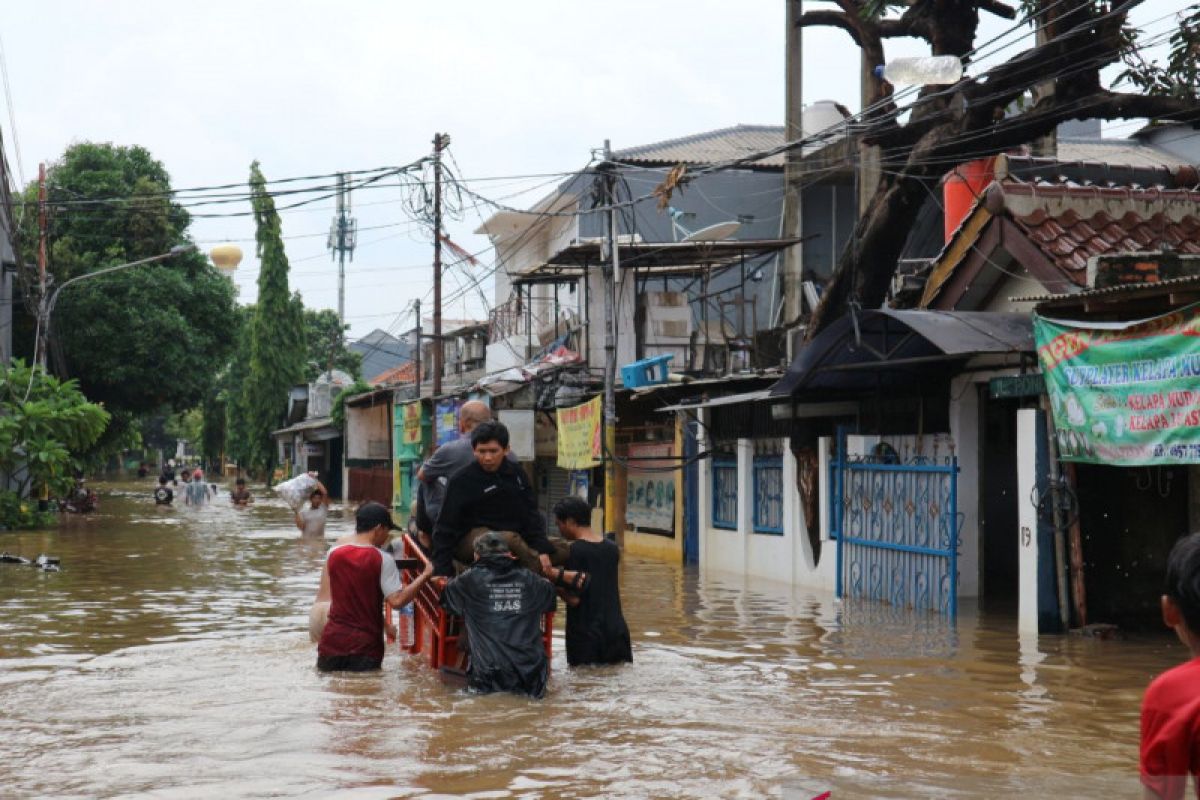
(412, 423)
(579, 435)
(650, 502)
(446, 421)
(1124, 393)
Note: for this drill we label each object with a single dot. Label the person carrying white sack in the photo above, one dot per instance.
(309, 501)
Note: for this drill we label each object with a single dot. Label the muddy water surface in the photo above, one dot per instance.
(170, 658)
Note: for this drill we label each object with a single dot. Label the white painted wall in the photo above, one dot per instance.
(1027, 552)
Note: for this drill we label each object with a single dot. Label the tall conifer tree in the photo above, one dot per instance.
(277, 341)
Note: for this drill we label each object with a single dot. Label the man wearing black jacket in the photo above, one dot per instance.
(492, 494)
(502, 606)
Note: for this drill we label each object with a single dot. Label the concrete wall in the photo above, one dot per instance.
(365, 425)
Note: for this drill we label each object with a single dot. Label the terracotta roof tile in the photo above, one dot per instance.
(1073, 223)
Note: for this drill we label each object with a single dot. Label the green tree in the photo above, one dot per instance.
(138, 339)
(325, 337)
(45, 425)
(277, 341)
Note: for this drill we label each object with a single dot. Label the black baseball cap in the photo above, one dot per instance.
(372, 514)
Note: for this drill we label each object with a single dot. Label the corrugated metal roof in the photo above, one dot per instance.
(1127, 152)
(711, 147)
(1122, 290)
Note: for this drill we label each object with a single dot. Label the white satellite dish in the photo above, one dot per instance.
(714, 233)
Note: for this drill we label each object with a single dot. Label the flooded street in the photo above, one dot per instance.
(170, 658)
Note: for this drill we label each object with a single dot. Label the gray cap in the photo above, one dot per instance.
(491, 544)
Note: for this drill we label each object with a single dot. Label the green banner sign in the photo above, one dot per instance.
(1124, 393)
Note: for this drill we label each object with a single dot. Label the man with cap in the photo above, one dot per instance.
(358, 578)
(502, 604)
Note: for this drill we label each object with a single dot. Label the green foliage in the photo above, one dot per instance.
(324, 335)
(140, 338)
(1180, 76)
(233, 395)
(18, 512)
(45, 425)
(277, 342)
(338, 413)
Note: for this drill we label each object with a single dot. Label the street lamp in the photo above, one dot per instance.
(46, 306)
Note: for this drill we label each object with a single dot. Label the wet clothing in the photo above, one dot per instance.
(163, 496)
(314, 519)
(500, 501)
(1170, 745)
(360, 577)
(444, 464)
(596, 630)
(502, 605)
(239, 497)
(464, 551)
(197, 493)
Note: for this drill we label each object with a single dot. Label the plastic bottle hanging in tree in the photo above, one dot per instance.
(921, 71)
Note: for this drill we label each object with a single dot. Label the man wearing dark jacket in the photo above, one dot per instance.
(492, 494)
(502, 605)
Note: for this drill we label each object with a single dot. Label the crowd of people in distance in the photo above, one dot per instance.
(193, 487)
(488, 551)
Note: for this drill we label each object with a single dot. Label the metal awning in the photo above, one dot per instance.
(652, 259)
(724, 400)
(316, 429)
(873, 349)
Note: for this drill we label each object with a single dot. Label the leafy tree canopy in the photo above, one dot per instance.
(324, 336)
(140, 338)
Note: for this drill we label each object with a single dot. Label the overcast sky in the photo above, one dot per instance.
(525, 88)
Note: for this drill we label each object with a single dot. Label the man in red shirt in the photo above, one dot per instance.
(358, 579)
(1170, 749)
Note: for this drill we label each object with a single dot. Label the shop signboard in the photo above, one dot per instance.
(579, 435)
(1124, 393)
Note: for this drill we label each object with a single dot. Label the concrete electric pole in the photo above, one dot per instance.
(440, 142)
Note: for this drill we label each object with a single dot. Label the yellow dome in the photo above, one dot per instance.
(226, 257)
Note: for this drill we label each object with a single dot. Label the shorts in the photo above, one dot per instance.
(348, 663)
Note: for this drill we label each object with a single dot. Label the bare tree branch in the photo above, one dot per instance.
(834, 19)
(998, 8)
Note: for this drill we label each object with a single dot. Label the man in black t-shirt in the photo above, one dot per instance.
(596, 631)
(163, 494)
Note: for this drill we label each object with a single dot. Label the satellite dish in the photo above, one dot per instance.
(714, 233)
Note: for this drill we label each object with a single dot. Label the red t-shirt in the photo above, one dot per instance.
(1171, 731)
(360, 577)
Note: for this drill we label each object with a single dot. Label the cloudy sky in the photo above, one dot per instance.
(526, 89)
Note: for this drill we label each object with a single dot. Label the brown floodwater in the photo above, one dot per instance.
(170, 658)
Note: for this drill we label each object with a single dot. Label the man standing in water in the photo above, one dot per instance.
(596, 629)
(197, 492)
(311, 520)
(502, 605)
(358, 578)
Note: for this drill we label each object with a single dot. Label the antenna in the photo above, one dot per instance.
(711, 233)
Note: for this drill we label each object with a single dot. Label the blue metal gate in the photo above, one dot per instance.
(897, 530)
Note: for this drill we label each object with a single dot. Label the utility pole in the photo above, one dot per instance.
(343, 235)
(417, 359)
(792, 259)
(611, 279)
(40, 355)
(440, 142)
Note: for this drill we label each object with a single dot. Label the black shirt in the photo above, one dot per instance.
(500, 501)
(163, 496)
(596, 630)
(502, 604)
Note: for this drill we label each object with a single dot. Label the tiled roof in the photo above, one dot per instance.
(1070, 224)
(711, 147)
(405, 373)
